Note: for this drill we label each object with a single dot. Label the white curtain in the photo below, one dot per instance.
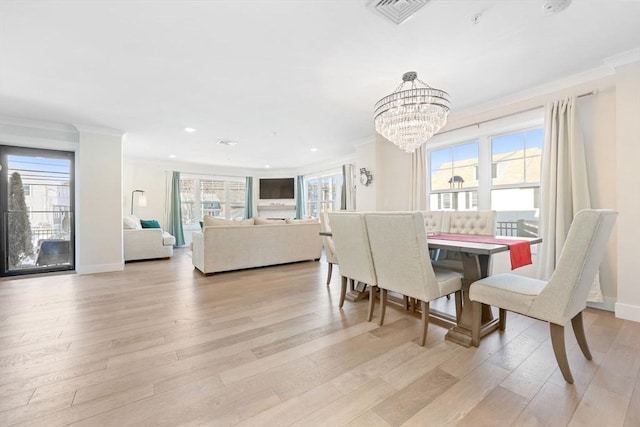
(565, 186)
(418, 180)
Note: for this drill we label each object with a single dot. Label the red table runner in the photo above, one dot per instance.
(519, 250)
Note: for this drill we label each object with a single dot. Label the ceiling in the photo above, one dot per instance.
(280, 77)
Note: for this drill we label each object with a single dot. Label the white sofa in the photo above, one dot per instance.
(145, 243)
(233, 247)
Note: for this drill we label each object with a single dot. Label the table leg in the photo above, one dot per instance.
(475, 267)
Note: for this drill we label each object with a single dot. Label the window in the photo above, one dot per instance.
(27, 189)
(497, 170)
(323, 194)
(220, 198)
(515, 188)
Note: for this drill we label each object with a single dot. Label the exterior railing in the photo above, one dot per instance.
(519, 228)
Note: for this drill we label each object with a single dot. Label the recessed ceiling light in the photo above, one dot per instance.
(190, 130)
(314, 149)
(172, 156)
(227, 142)
(267, 166)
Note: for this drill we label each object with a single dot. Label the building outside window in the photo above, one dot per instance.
(220, 198)
(323, 193)
(491, 171)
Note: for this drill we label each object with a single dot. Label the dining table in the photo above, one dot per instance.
(476, 254)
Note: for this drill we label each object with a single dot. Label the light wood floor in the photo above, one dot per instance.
(160, 344)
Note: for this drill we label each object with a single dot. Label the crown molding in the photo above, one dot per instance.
(623, 58)
(99, 130)
(36, 124)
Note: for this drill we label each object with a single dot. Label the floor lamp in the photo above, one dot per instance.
(142, 200)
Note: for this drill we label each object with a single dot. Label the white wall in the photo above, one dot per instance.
(99, 244)
(627, 109)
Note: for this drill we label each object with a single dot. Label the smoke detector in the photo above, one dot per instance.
(397, 11)
(552, 7)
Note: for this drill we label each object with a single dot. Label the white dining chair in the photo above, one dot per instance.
(560, 299)
(352, 248)
(402, 263)
(327, 242)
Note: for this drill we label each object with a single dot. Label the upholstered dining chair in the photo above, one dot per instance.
(352, 248)
(402, 264)
(560, 299)
(327, 242)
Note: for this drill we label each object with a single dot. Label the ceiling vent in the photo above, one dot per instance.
(397, 11)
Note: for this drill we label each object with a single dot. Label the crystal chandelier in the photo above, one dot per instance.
(409, 117)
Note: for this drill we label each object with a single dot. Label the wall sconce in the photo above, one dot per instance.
(142, 200)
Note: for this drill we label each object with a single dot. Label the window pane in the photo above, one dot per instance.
(517, 211)
(212, 196)
(455, 167)
(516, 157)
(237, 191)
(187, 201)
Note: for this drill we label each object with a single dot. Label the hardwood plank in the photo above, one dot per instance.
(403, 404)
(600, 407)
(459, 399)
(500, 407)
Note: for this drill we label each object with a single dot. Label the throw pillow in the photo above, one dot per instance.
(149, 223)
(302, 221)
(131, 222)
(261, 221)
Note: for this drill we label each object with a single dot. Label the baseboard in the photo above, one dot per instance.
(99, 268)
(608, 304)
(628, 312)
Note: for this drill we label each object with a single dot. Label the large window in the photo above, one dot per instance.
(496, 171)
(323, 193)
(220, 198)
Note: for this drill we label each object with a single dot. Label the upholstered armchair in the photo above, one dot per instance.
(560, 299)
(402, 264)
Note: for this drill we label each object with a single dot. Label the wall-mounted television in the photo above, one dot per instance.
(277, 188)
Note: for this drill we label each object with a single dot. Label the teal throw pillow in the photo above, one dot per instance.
(149, 223)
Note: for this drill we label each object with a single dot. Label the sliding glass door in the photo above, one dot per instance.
(36, 203)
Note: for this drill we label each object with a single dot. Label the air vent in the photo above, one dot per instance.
(397, 11)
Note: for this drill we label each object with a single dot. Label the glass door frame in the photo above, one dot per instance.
(5, 152)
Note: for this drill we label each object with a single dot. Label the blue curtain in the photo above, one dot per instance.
(175, 212)
(301, 200)
(248, 198)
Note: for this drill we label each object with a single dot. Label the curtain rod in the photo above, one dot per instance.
(593, 92)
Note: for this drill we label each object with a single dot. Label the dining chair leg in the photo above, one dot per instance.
(383, 304)
(352, 284)
(329, 273)
(502, 319)
(372, 302)
(405, 301)
(557, 342)
(425, 322)
(578, 330)
(476, 320)
(343, 290)
(458, 297)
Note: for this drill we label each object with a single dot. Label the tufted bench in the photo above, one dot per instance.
(478, 223)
